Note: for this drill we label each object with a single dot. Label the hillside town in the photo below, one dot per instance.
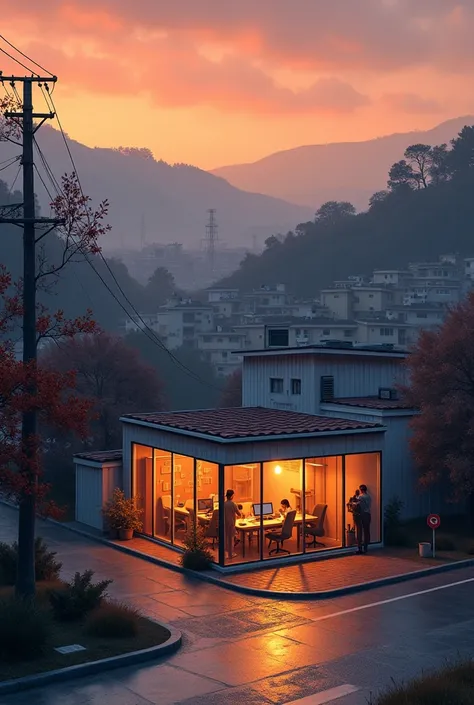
(389, 308)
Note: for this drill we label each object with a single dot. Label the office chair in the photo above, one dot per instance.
(212, 529)
(279, 536)
(316, 529)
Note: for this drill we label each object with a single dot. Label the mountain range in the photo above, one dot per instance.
(169, 202)
(345, 171)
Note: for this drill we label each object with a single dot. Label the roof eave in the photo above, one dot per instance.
(252, 439)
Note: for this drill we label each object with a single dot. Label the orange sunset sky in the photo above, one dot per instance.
(213, 82)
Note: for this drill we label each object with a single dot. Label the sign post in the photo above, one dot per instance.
(433, 522)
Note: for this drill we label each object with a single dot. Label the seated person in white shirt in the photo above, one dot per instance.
(284, 507)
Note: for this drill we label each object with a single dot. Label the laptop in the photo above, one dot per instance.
(205, 505)
(266, 509)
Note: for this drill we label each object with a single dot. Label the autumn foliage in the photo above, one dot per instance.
(53, 398)
(441, 369)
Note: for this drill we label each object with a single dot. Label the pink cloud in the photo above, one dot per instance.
(411, 103)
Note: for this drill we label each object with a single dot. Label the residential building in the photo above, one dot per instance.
(220, 348)
(181, 321)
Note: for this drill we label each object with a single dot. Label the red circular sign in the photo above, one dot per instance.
(433, 521)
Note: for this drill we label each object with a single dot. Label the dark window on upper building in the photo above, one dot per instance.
(278, 338)
(296, 386)
(326, 331)
(347, 334)
(276, 385)
(188, 317)
(327, 388)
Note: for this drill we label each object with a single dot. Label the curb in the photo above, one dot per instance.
(93, 667)
(261, 592)
(273, 594)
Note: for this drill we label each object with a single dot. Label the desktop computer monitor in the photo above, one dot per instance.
(266, 509)
(205, 505)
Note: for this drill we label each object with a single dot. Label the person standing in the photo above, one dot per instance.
(231, 512)
(364, 503)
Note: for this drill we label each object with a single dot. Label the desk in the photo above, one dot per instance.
(246, 526)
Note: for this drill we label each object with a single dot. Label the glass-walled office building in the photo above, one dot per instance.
(292, 476)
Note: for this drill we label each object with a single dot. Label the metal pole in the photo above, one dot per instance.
(27, 509)
(434, 543)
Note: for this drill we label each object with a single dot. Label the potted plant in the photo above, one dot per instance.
(123, 515)
(197, 555)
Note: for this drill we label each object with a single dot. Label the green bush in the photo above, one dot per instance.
(46, 565)
(197, 555)
(25, 630)
(113, 620)
(79, 597)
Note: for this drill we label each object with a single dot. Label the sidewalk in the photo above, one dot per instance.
(323, 577)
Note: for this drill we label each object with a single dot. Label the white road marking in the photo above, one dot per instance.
(391, 599)
(326, 696)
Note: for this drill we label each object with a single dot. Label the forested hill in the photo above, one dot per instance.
(427, 210)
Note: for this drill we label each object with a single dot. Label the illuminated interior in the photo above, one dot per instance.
(286, 507)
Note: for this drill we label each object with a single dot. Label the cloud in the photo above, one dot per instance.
(228, 54)
(411, 103)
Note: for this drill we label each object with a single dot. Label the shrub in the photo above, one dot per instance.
(25, 630)
(8, 561)
(113, 620)
(122, 512)
(46, 565)
(392, 522)
(445, 544)
(79, 597)
(197, 555)
(453, 684)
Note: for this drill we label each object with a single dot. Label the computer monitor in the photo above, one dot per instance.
(266, 508)
(205, 505)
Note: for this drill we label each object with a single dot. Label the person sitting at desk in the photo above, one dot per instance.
(231, 512)
(284, 508)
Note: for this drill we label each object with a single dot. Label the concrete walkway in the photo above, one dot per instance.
(329, 577)
(257, 651)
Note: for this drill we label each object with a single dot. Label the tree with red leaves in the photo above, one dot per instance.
(28, 392)
(232, 392)
(114, 375)
(441, 386)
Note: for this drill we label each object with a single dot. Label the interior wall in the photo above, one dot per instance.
(143, 484)
(364, 468)
(324, 479)
(278, 486)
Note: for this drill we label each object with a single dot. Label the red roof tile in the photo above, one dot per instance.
(373, 403)
(101, 456)
(249, 422)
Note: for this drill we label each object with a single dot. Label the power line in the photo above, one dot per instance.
(25, 55)
(27, 68)
(12, 161)
(155, 338)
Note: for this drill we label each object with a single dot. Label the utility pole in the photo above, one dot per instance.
(24, 216)
(212, 236)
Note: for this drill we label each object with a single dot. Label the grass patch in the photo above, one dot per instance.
(147, 634)
(453, 685)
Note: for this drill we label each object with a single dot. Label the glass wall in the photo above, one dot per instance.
(364, 469)
(323, 503)
(162, 500)
(183, 496)
(282, 495)
(143, 484)
(279, 507)
(207, 501)
(242, 534)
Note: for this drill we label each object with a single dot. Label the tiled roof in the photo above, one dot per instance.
(101, 456)
(249, 422)
(373, 403)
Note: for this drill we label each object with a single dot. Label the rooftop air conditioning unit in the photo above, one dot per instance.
(388, 393)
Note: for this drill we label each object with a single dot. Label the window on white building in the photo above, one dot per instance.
(296, 386)
(388, 332)
(276, 385)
